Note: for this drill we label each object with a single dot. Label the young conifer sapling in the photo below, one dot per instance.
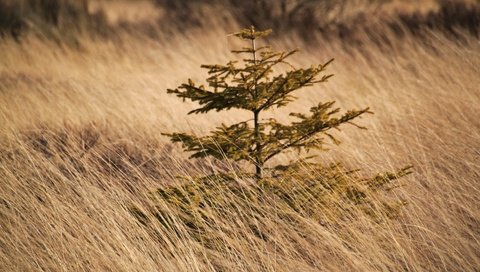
(251, 85)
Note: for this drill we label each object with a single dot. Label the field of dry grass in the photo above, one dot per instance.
(81, 144)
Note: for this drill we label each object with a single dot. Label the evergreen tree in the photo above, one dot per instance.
(326, 193)
(253, 87)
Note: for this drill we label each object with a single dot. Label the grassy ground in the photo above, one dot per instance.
(80, 144)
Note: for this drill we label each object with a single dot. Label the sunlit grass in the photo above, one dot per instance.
(81, 145)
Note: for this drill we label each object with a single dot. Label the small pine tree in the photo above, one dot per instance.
(253, 87)
(325, 193)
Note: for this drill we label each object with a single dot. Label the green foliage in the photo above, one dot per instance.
(252, 86)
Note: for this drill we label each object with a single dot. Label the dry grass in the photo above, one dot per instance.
(80, 145)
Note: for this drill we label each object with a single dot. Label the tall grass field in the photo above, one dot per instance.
(83, 105)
